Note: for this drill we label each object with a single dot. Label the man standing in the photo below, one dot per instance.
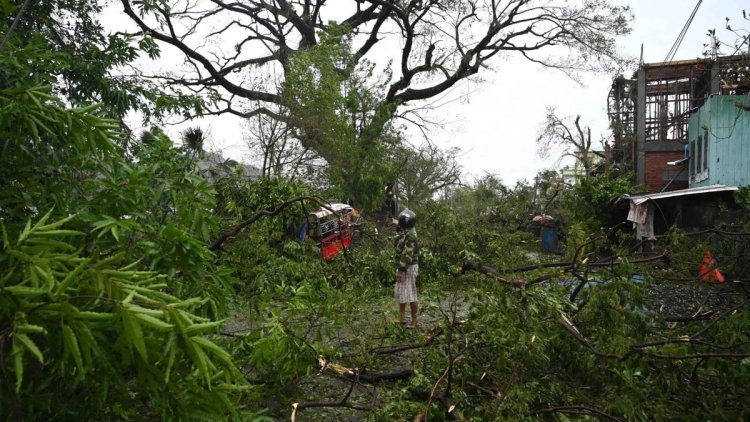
(407, 266)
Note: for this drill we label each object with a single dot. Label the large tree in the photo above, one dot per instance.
(308, 63)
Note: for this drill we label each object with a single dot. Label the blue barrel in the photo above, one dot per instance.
(549, 239)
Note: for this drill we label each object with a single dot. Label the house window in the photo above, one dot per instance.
(699, 155)
(705, 149)
(691, 163)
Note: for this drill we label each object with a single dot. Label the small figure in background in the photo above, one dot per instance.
(407, 266)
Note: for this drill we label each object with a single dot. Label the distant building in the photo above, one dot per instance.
(569, 175)
(667, 107)
(572, 174)
(214, 166)
(683, 128)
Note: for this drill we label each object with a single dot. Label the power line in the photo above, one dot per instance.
(681, 36)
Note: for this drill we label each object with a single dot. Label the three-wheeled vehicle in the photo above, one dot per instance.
(331, 228)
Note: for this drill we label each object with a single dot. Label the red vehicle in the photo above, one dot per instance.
(331, 227)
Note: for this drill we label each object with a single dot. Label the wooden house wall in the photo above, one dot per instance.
(728, 130)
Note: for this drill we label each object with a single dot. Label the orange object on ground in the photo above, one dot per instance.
(708, 270)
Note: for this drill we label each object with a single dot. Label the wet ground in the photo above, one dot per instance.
(688, 298)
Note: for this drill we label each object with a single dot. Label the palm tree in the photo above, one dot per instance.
(193, 139)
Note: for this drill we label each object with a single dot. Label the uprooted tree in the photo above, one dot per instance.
(309, 64)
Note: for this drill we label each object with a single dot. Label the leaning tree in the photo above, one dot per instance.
(320, 67)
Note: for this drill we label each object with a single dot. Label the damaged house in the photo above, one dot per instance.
(683, 129)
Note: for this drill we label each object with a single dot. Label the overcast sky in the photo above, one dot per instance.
(496, 122)
(497, 128)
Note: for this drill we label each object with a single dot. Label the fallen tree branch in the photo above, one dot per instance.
(615, 260)
(579, 410)
(497, 275)
(305, 405)
(342, 403)
(559, 264)
(718, 318)
(564, 266)
(485, 390)
(700, 356)
(687, 318)
(569, 327)
(715, 231)
(216, 244)
(583, 281)
(349, 373)
(638, 349)
(386, 350)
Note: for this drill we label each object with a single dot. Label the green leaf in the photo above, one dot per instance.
(142, 310)
(70, 343)
(56, 224)
(6, 243)
(30, 328)
(134, 334)
(45, 275)
(29, 345)
(172, 353)
(63, 285)
(129, 298)
(87, 343)
(202, 328)
(100, 316)
(154, 322)
(18, 365)
(26, 291)
(25, 233)
(43, 220)
(200, 359)
(32, 125)
(60, 233)
(39, 123)
(217, 351)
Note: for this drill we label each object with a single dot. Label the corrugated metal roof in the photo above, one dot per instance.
(639, 199)
(322, 212)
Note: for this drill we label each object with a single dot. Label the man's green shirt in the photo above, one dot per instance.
(407, 249)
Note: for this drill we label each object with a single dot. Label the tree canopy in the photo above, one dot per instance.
(311, 64)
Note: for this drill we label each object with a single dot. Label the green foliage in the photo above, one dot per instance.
(285, 347)
(162, 213)
(95, 322)
(45, 142)
(589, 200)
(313, 89)
(742, 197)
(587, 208)
(62, 44)
(266, 247)
(108, 294)
(327, 96)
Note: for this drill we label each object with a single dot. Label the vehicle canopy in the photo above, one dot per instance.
(331, 226)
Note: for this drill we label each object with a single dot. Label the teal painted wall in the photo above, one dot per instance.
(728, 130)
